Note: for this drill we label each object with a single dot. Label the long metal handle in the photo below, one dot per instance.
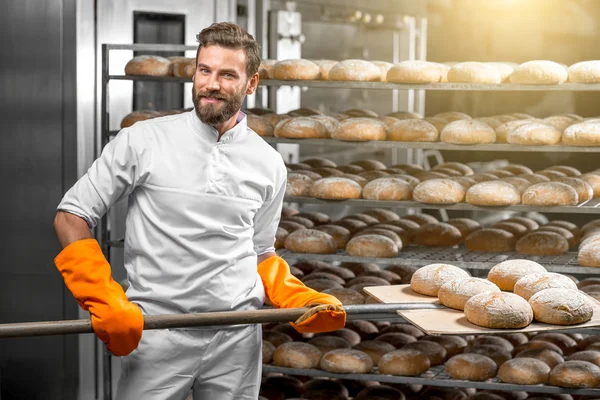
(200, 319)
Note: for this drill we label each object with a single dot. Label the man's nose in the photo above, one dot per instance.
(213, 83)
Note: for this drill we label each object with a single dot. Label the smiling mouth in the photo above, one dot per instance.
(211, 99)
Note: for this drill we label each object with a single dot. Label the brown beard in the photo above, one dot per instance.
(214, 114)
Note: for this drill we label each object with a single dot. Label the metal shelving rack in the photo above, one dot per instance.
(416, 256)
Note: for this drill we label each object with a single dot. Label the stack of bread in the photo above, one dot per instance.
(142, 115)
(152, 65)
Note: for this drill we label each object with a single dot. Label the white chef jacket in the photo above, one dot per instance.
(199, 211)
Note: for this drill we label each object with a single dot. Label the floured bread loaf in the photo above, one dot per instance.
(517, 169)
(552, 175)
(501, 174)
(530, 284)
(589, 254)
(542, 244)
(474, 72)
(387, 189)
(467, 132)
(427, 175)
(330, 123)
(437, 234)
(550, 357)
(298, 185)
(291, 226)
(550, 194)
(453, 344)
(301, 128)
(341, 236)
(355, 70)
(565, 169)
(471, 367)
(429, 279)
(295, 70)
(575, 374)
(358, 179)
(492, 122)
(560, 122)
(301, 220)
(451, 116)
(455, 293)
(264, 69)
(369, 165)
(529, 223)
(353, 225)
(183, 67)
(382, 215)
(325, 66)
(366, 330)
(417, 71)
(585, 133)
(464, 181)
(504, 69)
(319, 162)
(561, 306)
(336, 188)
(493, 193)
(584, 72)
(280, 237)
(539, 72)
(348, 361)
(318, 218)
(594, 181)
(372, 246)
(506, 274)
(310, 241)
(404, 362)
(384, 67)
(405, 115)
(534, 133)
(498, 311)
(372, 175)
(260, 125)
(382, 232)
(413, 130)
(562, 232)
(439, 191)
(524, 371)
(327, 343)
(361, 113)
(464, 169)
(515, 228)
(360, 129)
(503, 130)
(464, 225)
(491, 240)
(421, 219)
(534, 178)
(571, 227)
(149, 65)
(520, 183)
(297, 355)
(434, 351)
(366, 218)
(375, 349)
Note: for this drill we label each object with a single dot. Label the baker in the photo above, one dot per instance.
(204, 199)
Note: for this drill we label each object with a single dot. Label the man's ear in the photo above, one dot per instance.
(252, 84)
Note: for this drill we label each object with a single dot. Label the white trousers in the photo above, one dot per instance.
(215, 364)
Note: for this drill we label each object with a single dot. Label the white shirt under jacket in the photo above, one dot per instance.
(199, 211)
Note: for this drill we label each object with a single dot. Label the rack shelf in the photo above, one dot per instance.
(459, 256)
(589, 207)
(436, 376)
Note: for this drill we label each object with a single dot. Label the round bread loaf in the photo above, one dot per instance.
(361, 112)
(426, 175)
(405, 236)
(341, 236)
(358, 179)
(437, 234)
(506, 128)
(561, 306)
(515, 339)
(298, 185)
(327, 343)
(535, 178)
(311, 174)
(439, 191)
(491, 240)
(483, 177)
(585, 133)
(299, 69)
(260, 125)
(360, 129)
(353, 225)
(575, 374)
(382, 232)
(403, 328)
(467, 132)
(550, 357)
(301, 128)
(268, 349)
(366, 218)
(387, 189)
(594, 181)
(583, 189)
(434, 351)
(560, 122)
(420, 219)
(404, 362)
(539, 72)
(530, 284)
(375, 349)
(466, 226)
(517, 169)
(366, 330)
(303, 112)
(330, 123)
(384, 67)
(264, 69)
(429, 279)
(396, 339)
(351, 337)
(183, 67)
(565, 169)
(300, 220)
(524, 371)
(491, 341)
(336, 188)
(520, 183)
(291, 226)
(498, 311)
(529, 223)
(516, 229)
(542, 244)
(318, 218)
(592, 356)
(589, 254)
(310, 241)
(413, 130)
(464, 169)
(534, 133)
(453, 344)
(347, 361)
(280, 237)
(405, 271)
(550, 194)
(492, 122)
(355, 70)
(417, 71)
(464, 181)
(501, 174)
(346, 296)
(566, 343)
(149, 65)
(561, 231)
(471, 367)
(584, 72)
(319, 162)
(297, 355)
(455, 293)
(537, 345)
(372, 175)
(309, 266)
(320, 284)
(474, 72)
(382, 215)
(323, 275)
(372, 246)
(136, 116)
(493, 193)
(325, 66)
(389, 276)
(552, 175)
(506, 274)
(497, 353)
(351, 169)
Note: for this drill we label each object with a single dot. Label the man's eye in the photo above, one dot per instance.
(204, 71)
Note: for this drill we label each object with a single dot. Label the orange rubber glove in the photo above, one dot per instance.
(86, 272)
(286, 291)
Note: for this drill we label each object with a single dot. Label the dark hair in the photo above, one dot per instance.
(231, 36)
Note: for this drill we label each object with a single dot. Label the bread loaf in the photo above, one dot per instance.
(404, 328)
(534, 133)
(524, 371)
(429, 279)
(592, 356)
(340, 235)
(453, 344)
(437, 234)
(498, 310)
(300, 220)
(497, 353)
(464, 169)
(530, 284)
(375, 349)
(360, 129)
(301, 128)
(384, 67)
(396, 339)
(404, 362)
(561, 231)
(183, 67)
(327, 343)
(583, 189)
(539, 72)
(310, 241)
(355, 70)
(584, 72)
(493, 193)
(267, 352)
(550, 357)
(421, 219)
(417, 71)
(324, 66)
(575, 374)
(506, 128)
(550, 194)
(474, 72)
(561, 306)
(280, 237)
(534, 178)
(467, 132)
(585, 133)
(136, 116)
(336, 188)
(297, 355)
(264, 68)
(353, 225)
(323, 275)
(413, 130)
(529, 223)
(589, 254)
(466, 226)
(260, 125)
(455, 293)
(372, 246)
(382, 232)
(149, 65)
(464, 181)
(439, 191)
(520, 183)
(516, 229)
(382, 215)
(471, 367)
(565, 169)
(295, 70)
(298, 185)
(566, 343)
(391, 189)
(506, 274)
(491, 240)
(434, 351)
(542, 244)
(594, 181)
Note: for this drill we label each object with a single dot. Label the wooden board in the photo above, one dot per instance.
(447, 321)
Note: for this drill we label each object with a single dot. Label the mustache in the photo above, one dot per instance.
(214, 95)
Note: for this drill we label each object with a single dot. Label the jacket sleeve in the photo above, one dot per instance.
(267, 219)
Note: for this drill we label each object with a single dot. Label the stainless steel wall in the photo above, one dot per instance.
(37, 162)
